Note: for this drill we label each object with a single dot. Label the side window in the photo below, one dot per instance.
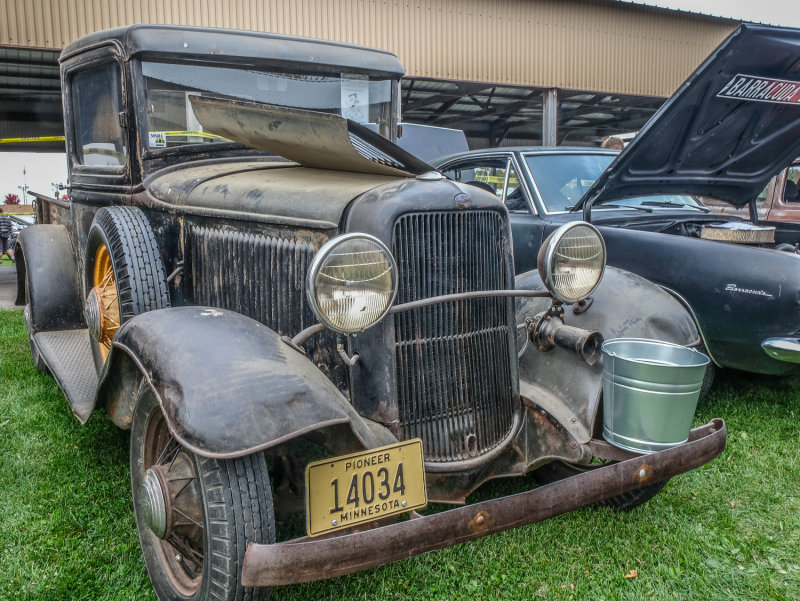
(497, 176)
(514, 197)
(791, 189)
(97, 103)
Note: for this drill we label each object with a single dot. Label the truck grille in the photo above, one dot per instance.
(263, 277)
(259, 276)
(452, 359)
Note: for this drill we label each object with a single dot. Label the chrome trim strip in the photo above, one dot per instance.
(783, 349)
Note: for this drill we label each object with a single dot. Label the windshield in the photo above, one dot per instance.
(171, 121)
(562, 179)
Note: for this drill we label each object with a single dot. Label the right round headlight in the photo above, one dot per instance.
(572, 261)
(352, 282)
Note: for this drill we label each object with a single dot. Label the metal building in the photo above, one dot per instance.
(505, 71)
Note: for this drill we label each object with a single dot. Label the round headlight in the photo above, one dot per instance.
(572, 260)
(352, 282)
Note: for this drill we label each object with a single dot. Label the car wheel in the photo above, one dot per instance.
(124, 274)
(558, 470)
(36, 356)
(195, 515)
(708, 378)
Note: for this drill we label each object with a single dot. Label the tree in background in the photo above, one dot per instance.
(11, 199)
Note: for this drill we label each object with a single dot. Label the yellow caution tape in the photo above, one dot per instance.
(196, 134)
(32, 139)
(495, 179)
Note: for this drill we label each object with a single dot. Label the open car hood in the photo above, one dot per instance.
(727, 130)
(313, 139)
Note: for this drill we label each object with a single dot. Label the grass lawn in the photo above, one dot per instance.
(729, 530)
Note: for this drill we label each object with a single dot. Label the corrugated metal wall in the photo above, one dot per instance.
(576, 44)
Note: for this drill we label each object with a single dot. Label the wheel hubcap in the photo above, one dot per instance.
(153, 503)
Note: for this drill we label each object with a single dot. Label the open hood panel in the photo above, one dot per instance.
(727, 130)
(313, 139)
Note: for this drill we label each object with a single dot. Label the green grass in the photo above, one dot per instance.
(729, 530)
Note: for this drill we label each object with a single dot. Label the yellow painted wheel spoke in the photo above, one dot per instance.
(104, 281)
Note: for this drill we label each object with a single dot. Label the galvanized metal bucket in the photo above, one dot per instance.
(650, 393)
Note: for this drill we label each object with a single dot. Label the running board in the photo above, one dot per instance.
(68, 355)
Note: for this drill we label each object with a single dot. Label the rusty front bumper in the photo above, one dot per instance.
(306, 560)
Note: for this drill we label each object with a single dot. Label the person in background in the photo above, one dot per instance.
(5, 237)
(613, 143)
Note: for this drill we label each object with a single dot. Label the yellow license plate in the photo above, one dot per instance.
(364, 487)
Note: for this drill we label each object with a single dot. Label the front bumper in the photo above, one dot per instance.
(306, 560)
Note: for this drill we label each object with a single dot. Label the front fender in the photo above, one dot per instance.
(623, 306)
(228, 385)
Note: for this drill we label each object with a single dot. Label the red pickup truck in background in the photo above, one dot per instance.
(780, 200)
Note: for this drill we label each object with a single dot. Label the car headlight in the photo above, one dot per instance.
(572, 261)
(352, 282)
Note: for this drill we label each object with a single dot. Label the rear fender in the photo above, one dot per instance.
(47, 266)
(228, 385)
(623, 306)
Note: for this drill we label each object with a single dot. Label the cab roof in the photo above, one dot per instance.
(230, 45)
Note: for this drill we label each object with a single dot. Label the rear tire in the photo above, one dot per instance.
(558, 470)
(228, 503)
(36, 356)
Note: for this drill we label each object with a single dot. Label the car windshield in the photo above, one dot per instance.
(562, 179)
(168, 87)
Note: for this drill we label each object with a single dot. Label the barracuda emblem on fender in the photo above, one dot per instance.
(462, 200)
(735, 288)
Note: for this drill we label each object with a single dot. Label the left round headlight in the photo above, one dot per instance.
(352, 282)
(572, 261)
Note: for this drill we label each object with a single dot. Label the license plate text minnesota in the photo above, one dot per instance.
(364, 487)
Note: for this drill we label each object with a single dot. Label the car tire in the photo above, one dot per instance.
(216, 508)
(558, 470)
(708, 378)
(36, 356)
(123, 258)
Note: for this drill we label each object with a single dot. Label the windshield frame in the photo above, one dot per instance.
(155, 157)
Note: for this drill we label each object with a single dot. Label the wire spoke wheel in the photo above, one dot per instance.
(171, 471)
(124, 274)
(195, 515)
(104, 285)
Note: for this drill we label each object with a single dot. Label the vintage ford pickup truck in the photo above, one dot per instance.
(294, 316)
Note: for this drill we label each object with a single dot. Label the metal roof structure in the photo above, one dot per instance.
(494, 115)
(30, 99)
(505, 71)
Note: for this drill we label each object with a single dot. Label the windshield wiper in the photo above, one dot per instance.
(622, 206)
(677, 205)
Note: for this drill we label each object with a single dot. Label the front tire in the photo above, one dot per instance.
(195, 516)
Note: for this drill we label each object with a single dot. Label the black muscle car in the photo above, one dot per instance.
(731, 127)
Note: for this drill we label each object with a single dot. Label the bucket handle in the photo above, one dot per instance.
(609, 402)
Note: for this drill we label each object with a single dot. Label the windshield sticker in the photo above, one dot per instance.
(760, 89)
(158, 139)
(355, 97)
(735, 288)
